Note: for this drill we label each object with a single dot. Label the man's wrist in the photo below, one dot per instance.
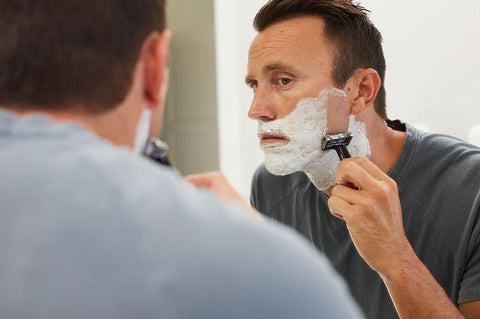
(401, 267)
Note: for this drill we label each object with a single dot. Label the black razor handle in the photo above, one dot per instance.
(342, 151)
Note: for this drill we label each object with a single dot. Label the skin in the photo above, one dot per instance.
(290, 60)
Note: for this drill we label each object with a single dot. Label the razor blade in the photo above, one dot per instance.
(338, 142)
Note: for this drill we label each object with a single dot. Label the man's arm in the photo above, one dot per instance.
(373, 216)
(471, 309)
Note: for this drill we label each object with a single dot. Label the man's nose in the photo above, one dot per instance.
(262, 108)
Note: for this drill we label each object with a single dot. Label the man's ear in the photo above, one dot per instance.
(362, 89)
(155, 57)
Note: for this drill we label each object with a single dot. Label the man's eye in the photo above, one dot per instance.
(284, 81)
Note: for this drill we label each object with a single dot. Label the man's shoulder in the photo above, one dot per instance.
(439, 178)
(182, 242)
(443, 157)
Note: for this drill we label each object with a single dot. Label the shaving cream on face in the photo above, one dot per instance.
(305, 127)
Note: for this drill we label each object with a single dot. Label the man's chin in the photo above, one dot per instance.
(322, 180)
(278, 169)
(281, 162)
(278, 172)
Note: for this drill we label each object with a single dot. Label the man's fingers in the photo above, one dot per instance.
(365, 164)
(338, 207)
(346, 193)
(350, 172)
(359, 171)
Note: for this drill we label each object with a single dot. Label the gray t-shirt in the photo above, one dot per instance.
(89, 230)
(438, 179)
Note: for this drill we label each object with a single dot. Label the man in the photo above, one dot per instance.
(90, 230)
(401, 226)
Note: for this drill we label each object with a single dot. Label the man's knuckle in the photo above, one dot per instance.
(335, 191)
(360, 160)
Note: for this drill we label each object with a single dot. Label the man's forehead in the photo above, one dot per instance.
(285, 44)
(304, 32)
(276, 36)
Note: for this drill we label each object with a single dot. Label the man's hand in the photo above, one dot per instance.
(219, 185)
(367, 199)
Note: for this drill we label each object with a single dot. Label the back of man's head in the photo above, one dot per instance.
(75, 55)
(356, 41)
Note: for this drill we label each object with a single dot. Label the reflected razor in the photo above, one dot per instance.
(338, 142)
(157, 150)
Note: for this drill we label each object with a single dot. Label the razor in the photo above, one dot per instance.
(157, 150)
(338, 142)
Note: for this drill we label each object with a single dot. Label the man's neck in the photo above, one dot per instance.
(387, 144)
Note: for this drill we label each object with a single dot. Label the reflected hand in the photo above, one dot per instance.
(367, 199)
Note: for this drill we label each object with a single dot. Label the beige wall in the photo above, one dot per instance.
(190, 123)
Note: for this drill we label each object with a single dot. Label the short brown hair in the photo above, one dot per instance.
(357, 41)
(72, 54)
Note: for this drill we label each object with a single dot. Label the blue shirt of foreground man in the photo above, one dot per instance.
(408, 243)
(90, 230)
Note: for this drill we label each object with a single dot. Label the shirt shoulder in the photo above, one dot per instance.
(129, 238)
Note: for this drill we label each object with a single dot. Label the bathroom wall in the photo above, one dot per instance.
(190, 123)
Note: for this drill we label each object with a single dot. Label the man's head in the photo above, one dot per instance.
(76, 55)
(348, 35)
(312, 65)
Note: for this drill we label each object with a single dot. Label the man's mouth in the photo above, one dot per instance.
(272, 139)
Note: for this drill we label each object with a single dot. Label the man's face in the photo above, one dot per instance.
(295, 100)
(288, 61)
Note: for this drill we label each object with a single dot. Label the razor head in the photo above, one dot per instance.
(332, 141)
(338, 142)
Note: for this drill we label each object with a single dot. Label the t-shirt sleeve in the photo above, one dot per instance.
(470, 286)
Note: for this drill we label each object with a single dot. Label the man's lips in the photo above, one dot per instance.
(267, 139)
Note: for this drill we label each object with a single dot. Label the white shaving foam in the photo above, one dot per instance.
(305, 127)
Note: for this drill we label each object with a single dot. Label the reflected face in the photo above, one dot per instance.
(295, 100)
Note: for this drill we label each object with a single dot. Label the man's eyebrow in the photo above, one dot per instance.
(274, 67)
(268, 68)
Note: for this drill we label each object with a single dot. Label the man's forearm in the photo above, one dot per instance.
(416, 293)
